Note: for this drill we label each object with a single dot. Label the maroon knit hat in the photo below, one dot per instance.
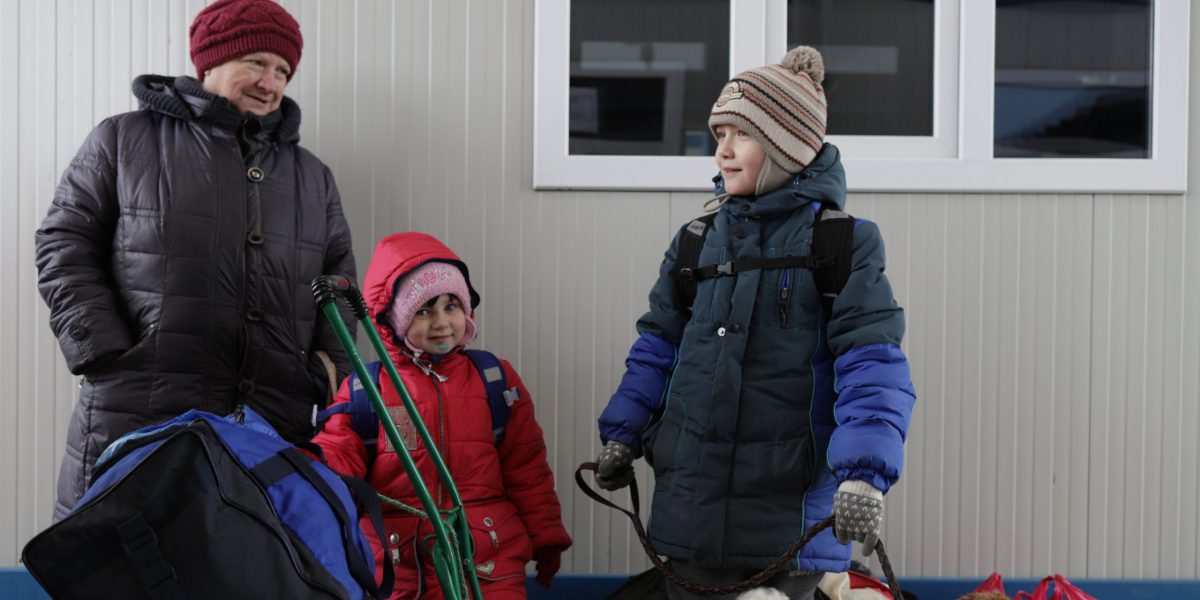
(228, 29)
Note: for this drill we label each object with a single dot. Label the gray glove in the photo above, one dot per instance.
(858, 514)
(614, 468)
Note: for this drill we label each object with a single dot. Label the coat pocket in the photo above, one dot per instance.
(661, 449)
(502, 546)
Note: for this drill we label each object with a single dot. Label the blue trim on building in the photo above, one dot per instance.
(17, 584)
(598, 587)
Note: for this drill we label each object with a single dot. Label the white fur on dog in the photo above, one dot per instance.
(763, 593)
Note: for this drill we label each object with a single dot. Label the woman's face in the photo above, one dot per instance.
(253, 83)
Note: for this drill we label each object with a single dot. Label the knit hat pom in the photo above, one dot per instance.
(805, 59)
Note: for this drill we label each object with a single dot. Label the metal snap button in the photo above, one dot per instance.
(245, 386)
(721, 331)
(394, 539)
(77, 332)
(255, 174)
(255, 238)
(254, 315)
(487, 521)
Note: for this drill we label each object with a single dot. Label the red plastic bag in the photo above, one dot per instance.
(993, 584)
(1063, 590)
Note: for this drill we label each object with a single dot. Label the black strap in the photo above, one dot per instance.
(687, 256)
(153, 570)
(733, 267)
(368, 502)
(833, 235)
(783, 562)
(291, 460)
(830, 259)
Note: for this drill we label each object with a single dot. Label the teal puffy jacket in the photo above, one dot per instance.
(756, 406)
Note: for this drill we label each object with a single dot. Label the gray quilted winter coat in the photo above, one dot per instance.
(176, 261)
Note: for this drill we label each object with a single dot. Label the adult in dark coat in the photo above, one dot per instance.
(177, 255)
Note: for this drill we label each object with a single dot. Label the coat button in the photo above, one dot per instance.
(394, 539)
(254, 315)
(487, 521)
(741, 235)
(255, 174)
(735, 327)
(77, 332)
(721, 332)
(246, 386)
(255, 238)
(744, 208)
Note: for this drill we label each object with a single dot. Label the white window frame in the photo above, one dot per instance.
(956, 158)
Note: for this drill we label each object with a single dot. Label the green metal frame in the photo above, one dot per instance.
(453, 549)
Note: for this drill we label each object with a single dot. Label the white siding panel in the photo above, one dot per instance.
(1053, 339)
(15, 299)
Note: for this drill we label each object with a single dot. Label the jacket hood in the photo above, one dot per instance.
(398, 255)
(823, 180)
(185, 98)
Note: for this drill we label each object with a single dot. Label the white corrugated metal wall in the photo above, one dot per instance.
(1054, 339)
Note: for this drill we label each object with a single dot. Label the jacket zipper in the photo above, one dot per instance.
(440, 434)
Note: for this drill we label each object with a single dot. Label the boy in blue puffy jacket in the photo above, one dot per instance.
(761, 411)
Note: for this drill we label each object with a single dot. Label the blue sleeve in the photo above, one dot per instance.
(640, 393)
(650, 362)
(874, 386)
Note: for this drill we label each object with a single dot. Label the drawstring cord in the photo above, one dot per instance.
(719, 199)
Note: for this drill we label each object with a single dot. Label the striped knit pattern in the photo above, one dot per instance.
(781, 106)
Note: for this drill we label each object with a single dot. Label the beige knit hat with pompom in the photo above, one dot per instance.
(783, 108)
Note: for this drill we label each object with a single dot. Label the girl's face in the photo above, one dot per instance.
(740, 159)
(439, 326)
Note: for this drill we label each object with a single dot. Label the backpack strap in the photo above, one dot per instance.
(830, 259)
(687, 257)
(833, 237)
(500, 397)
(363, 419)
(365, 422)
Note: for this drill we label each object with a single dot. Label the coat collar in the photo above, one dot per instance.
(823, 180)
(184, 98)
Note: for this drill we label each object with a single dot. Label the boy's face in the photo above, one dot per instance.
(740, 159)
(439, 326)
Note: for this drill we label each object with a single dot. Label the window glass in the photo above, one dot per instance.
(644, 75)
(1073, 78)
(878, 62)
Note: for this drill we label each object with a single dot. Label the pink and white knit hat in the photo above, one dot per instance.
(424, 284)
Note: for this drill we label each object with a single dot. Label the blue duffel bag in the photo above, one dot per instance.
(204, 506)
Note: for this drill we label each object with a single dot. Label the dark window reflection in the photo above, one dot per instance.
(1073, 78)
(644, 75)
(878, 62)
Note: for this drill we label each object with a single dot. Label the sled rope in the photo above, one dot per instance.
(712, 590)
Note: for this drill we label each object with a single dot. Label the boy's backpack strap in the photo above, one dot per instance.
(833, 237)
(830, 259)
(363, 419)
(687, 257)
(500, 398)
